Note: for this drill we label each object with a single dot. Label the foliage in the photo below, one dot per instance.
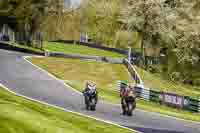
(149, 18)
(169, 24)
(64, 26)
(156, 82)
(184, 58)
(99, 19)
(29, 11)
(124, 38)
(31, 15)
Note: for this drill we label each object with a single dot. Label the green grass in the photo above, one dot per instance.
(18, 115)
(162, 109)
(78, 49)
(157, 83)
(106, 77)
(71, 49)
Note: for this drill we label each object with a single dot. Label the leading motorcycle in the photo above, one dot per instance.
(91, 98)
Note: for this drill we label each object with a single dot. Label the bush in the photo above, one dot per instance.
(154, 69)
(196, 82)
(175, 76)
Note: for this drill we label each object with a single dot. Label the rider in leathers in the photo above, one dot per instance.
(88, 89)
(124, 92)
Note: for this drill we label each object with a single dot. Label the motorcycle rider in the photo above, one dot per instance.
(87, 88)
(126, 91)
(90, 88)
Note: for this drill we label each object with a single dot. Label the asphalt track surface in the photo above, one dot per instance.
(26, 79)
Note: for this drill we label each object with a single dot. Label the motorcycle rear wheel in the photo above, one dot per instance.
(93, 108)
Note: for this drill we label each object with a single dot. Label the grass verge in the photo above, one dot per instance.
(78, 49)
(18, 115)
(157, 83)
(76, 72)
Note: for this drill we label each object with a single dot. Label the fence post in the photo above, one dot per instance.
(146, 93)
(129, 54)
(199, 105)
(47, 53)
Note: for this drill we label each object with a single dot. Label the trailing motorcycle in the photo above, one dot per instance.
(128, 104)
(128, 98)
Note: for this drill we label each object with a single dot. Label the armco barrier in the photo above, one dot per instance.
(8, 46)
(155, 96)
(177, 101)
(85, 57)
(133, 72)
(191, 104)
(172, 99)
(169, 99)
(199, 105)
(94, 45)
(145, 94)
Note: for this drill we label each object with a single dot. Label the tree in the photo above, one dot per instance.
(35, 15)
(65, 26)
(170, 24)
(187, 34)
(150, 19)
(100, 20)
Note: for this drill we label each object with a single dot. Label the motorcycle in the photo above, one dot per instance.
(128, 104)
(91, 98)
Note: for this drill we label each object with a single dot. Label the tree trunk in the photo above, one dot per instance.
(143, 49)
(144, 35)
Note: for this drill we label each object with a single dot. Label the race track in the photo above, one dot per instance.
(25, 79)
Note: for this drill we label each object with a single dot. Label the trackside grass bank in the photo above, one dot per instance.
(18, 115)
(76, 72)
(68, 49)
(155, 82)
(79, 49)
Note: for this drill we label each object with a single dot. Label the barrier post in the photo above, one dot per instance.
(199, 105)
(129, 54)
(47, 53)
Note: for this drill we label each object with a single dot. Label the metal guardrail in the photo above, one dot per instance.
(10, 46)
(94, 45)
(133, 72)
(199, 105)
(85, 57)
(169, 99)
